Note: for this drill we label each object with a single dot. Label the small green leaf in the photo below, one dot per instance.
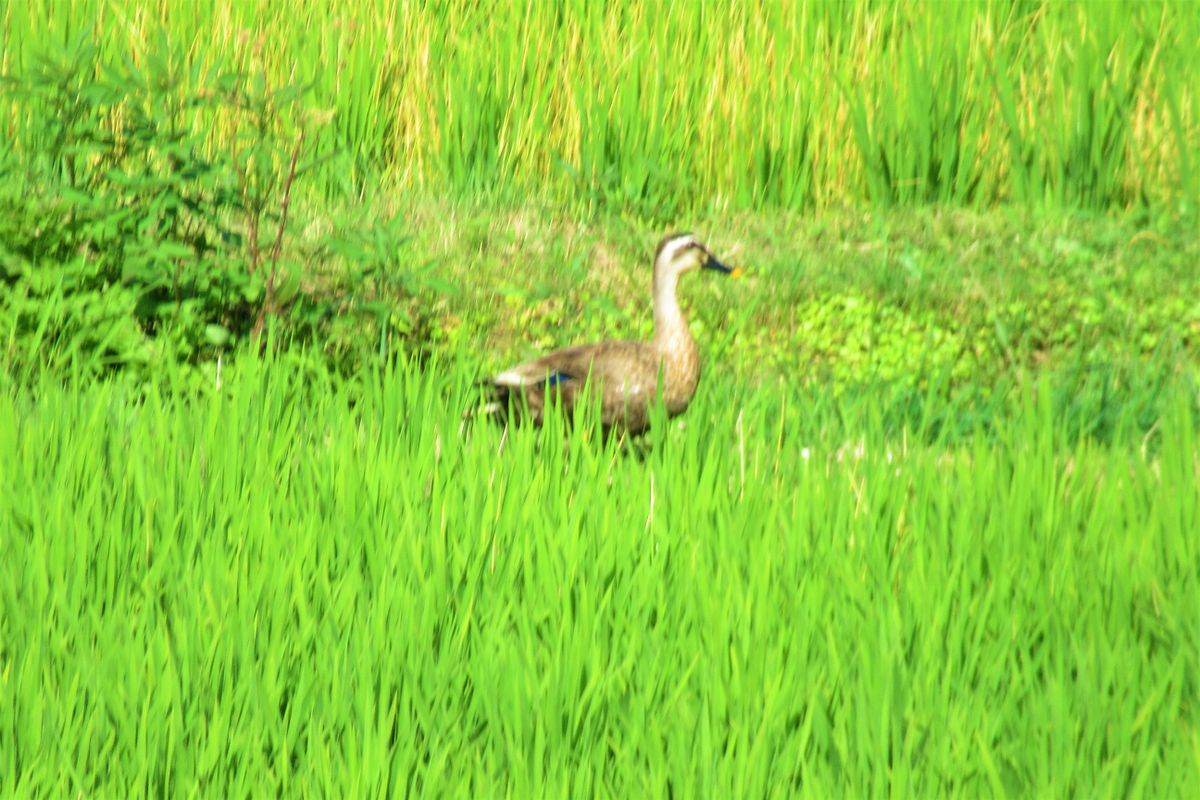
(216, 335)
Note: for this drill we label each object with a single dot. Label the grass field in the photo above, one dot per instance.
(667, 107)
(929, 527)
(301, 585)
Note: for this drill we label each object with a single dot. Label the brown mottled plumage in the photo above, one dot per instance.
(624, 372)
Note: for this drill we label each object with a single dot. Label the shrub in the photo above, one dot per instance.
(152, 216)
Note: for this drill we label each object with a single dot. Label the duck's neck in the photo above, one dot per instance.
(675, 346)
(670, 328)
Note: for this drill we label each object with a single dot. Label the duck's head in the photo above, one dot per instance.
(682, 252)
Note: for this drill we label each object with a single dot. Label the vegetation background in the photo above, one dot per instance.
(928, 528)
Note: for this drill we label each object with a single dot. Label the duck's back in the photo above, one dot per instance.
(624, 373)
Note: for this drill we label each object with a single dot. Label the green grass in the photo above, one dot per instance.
(306, 585)
(831, 298)
(928, 529)
(653, 108)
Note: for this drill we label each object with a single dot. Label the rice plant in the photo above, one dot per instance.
(299, 584)
(655, 107)
(931, 530)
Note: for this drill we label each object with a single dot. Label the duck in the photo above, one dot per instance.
(624, 373)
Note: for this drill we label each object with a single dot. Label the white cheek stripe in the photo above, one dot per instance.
(675, 246)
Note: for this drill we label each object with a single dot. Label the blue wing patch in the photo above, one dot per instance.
(556, 378)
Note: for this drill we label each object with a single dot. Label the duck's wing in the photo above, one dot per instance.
(624, 373)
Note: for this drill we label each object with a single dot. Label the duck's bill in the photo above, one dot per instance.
(712, 263)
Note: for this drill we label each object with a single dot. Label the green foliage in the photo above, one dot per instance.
(298, 584)
(128, 217)
(927, 528)
(912, 297)
(647, 108)
(128, 238)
